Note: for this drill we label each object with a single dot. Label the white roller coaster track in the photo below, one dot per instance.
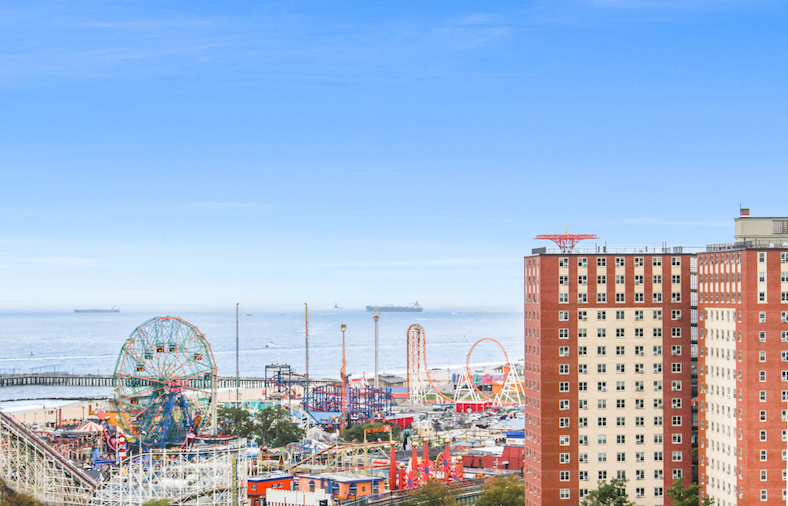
(29, 465)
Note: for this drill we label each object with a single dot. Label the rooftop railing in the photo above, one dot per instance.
(666, 250)
(780, 243)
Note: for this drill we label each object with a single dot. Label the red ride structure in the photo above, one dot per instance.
(566, 242)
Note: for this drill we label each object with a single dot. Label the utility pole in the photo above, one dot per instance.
(377, 320)
(237, 368)
(306, 390)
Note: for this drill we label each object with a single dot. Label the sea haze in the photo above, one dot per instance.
(89, 343)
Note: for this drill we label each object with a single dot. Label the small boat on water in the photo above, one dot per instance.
(415, 308)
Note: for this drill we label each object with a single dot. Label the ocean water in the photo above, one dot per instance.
(89, 343)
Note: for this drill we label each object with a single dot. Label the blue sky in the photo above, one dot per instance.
(198, 154)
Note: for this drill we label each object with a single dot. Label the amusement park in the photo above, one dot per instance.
(165, 435)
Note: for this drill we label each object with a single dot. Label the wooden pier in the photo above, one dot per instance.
(99, 380)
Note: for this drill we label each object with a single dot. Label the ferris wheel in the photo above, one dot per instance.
(166, 377)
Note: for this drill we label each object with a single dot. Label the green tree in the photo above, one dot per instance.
(503, 491)
(235, 421)
(433, 493)
(608, 494)
(687, 496)
(157, 502)
(274, 427)
(356, 432)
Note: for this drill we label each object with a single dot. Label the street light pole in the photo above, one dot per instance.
(237, 368)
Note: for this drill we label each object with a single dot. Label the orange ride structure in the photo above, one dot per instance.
(422, 388)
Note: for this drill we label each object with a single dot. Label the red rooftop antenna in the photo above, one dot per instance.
(567, 241)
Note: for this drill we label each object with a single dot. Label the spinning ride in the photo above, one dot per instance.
(166, 380)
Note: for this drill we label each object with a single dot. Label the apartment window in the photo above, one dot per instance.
(640, 491)
(601, 280)
(639, 385)
(582, 369)
(675, 297)
(764, 495)
(563, 386)
(677, 456)
(563, 333)
(601, 386)
(658, 403)
(563, 298)
(563, 280)
(657, 350)
(761, 296)
(762, 277)
(657, 279)
(763, 456)
(563, 368)
(657, 421)
(675, 421)
(601, 421)
(675, 314)
(784, 316)
(564, 458)
(582, 475)
(675, 279)
(565, 493)
(761, 257)
(658, 492)
(601, 297)
(638, 261)
(563, 262)
(582, 386)
(675, 261)
(620, 333)
(620, 351)
(657, 314)
(582, 262)
(582, 333)
(601, 368)
(784, 257)
(621, 403)
(676, 438)
(601, 333)
(675, 349)
(621, 421)
(656, 261)
(639, 421)
(563, 351)
(784, 336)
(675, 385)
(639, 368)
(658, 457)
(657, 368)
(620, 279)
(563, 315)
(582, 421)
(582, 298)
(619, 261)
(582, 458)
(762, 415)
(761, 356)
(620, 386)
(657, 332)
(564, 440)
(601, 351)
(656, 297)
(582, 404)
(762, 435)
(582, 280)
(582, 351)
(563, 422)
(762, 376)
(762, 317)
(601, 262)
(564, 476)
(639, 297)
(675, 403)
(601, 315)
(762, 336)
(639, 403)
(675, 332)
(638, 279)
(675, 367)
(602, 440)
(620, 297)
(657, 386)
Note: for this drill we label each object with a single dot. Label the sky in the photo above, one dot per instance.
(200, 154)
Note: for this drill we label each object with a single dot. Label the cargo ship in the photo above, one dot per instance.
(111, 310)
(415, 308)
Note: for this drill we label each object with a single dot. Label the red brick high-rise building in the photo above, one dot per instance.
(743, 364)
(608, 380)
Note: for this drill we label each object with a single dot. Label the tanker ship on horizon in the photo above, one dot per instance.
(415, 308)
